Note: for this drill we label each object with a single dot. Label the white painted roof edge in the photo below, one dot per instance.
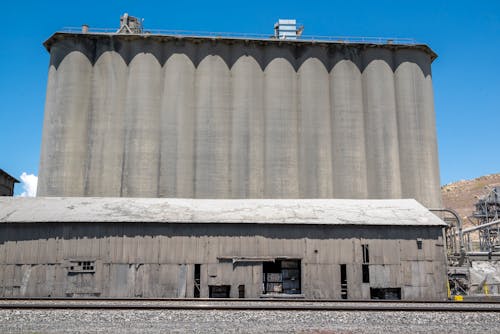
(404, 212)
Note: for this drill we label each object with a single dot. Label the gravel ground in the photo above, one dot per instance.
(196, 321)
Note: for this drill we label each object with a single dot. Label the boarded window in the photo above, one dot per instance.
(76, 267)
(385, 293)
(219, 291)
(241, 291)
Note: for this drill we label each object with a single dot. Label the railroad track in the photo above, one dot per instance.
(245, 305)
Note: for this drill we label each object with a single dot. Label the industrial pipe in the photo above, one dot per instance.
(460, 232)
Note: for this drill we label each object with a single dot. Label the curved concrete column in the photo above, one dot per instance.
(315, 151)
(381, 126)
(50, 161)
(177, 128)
(281, 133)
(247, 141)
(65, 144)
(142, 119)
(348, 131)
(107, 126)
(416, 127)
(213, 128)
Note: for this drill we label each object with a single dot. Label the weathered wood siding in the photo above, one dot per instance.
(158, 260)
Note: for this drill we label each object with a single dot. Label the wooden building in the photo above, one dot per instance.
(7, 183)
(137, 247)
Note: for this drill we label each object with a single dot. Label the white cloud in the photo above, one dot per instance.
(29, 183)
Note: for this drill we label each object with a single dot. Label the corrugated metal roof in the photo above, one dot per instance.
(253, 211)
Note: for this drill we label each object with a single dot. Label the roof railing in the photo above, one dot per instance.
(212, 34)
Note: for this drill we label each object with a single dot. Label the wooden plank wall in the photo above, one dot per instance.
(157, 260)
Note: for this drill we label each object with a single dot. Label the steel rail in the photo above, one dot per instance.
(243, 307)
(486, 300)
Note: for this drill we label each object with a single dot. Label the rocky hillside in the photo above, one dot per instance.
(462, 195)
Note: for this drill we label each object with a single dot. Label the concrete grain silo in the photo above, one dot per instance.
(280, 164)
(138, 115)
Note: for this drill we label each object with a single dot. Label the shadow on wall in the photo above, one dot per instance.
(163, 47)
(67, 231)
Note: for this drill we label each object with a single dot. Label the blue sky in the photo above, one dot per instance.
(466, 75)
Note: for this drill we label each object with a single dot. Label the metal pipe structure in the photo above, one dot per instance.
(479, 227)
(460, 232)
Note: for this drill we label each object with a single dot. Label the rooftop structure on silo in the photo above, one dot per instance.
(287, 29)
(130, 25)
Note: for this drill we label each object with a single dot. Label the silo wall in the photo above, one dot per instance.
(163, 116)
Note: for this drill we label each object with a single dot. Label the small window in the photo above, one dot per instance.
(343, 281)
(241, 291)
(81, 267)
(366, 273)
(419, 243)
(365, 267)
(197, 281)
(366, 254)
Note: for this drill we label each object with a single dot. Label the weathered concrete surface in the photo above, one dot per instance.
(404, 212)
(160, 116)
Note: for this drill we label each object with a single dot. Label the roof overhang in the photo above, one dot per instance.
(393, 212)
(4, 173)
(232, 40)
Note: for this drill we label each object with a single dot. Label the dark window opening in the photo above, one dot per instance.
(197, 281)
(366, 255)
(241, 291)
(86, 265)
(76, 267)
(366, 273)
(343, 281)
(281, 276)
(219, 291)
(385, 293)
(419, 243)
(365, 268)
